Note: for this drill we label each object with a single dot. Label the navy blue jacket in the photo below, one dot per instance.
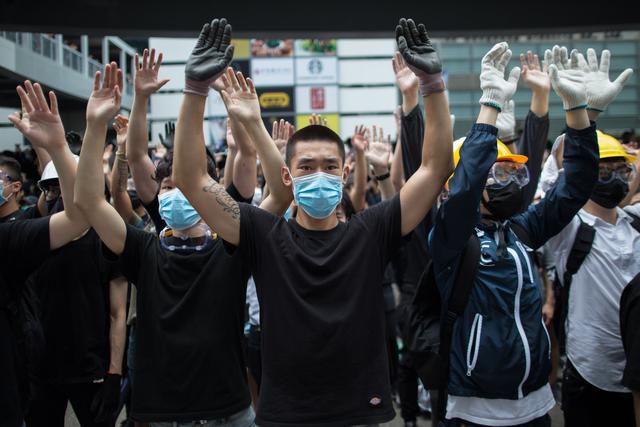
(500, 347)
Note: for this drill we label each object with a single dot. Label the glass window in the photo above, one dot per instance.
(622, 109)
(621, 48)
(454, 51)
(457, 66)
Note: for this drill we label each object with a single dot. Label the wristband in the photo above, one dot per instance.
(492, 105)
(579, 107)
(431, 83)
(197, 87)
(383, 176)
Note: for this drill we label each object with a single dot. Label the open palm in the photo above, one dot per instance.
(39, 123)
(534, 75)
(240, 97)
(359, 140)
(146, 81)
(104, 102)
(379, 150)
(405, 78)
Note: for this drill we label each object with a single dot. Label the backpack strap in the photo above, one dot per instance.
(456, 305)
(635, 221)
(521, 234)
(579, 251)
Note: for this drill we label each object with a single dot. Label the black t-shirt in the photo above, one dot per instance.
(20, 214)
(629, 321)
(73, 287)
(324, 360)
(189, 330)
(24, 245)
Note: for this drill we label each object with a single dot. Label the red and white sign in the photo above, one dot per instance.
(316, 99)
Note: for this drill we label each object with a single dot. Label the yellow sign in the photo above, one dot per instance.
(275, 100)
(240, 48)
(333, 121)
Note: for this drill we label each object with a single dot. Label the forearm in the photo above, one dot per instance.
(488, 115)
(245, 174)
(359, 182)
(189, 157)
(386, 189)
(410, 99)
(397, 171)
(43, 158)
(121, 200)
(228, 167)
(437, 151)
(142, 168)
(532, 145)
(636, 405)
(593, 115)
(118, 323)
(540, 102)
(271, 161)
(66, 167)
(89, 188)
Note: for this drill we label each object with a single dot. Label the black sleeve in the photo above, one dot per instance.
(235, 195)
(629, 318)
(138, 247)
(384, 221)
(25, 245)
(532, 145)
(153, 209)
(255, 224)
(412, 131)
(31, 212)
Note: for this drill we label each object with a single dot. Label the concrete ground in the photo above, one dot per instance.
(556, 419)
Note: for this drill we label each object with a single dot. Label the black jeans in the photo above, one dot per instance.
(544, 421)
(407, 375)
(49, 405)
(254, 358)
(585, 405)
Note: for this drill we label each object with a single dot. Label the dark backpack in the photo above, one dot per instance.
(579, 251)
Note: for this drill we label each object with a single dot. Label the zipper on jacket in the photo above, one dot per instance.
(518, 320)
(474, 337)
(548, 338)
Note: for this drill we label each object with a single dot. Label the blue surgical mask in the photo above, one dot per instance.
(3, 199)
(176, 210)
(318, 194)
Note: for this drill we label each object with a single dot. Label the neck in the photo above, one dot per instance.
(311, 223)
(9, 207)
(194, 231)
(608, 215)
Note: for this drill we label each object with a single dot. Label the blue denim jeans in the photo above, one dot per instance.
(244, 418)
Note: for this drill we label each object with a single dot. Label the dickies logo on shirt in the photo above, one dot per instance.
(375, 401)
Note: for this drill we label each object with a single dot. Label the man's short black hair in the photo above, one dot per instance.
(313, 133)
(12, 167)
(165, 168)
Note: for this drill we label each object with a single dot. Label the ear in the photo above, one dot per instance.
(287, 179)
(346, 173)
(16, 187)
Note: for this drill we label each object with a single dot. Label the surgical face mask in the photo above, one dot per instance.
(176, 210)
(318, 194)
(610, 194)
(3, 199)
(505, 202)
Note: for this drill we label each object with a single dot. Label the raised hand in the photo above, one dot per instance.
(379, 151)
(39, 122)
(169, 133)
(534, 75)
(420, 55)
(567, 77)
(240, 98)
(600, 90)
(121, 126)
(406, 79)
(506, 122)
(146, 80)
(281, 133)
(360, 139)
(212, 54)
(496, 91)
(104, 102)
(317, 119)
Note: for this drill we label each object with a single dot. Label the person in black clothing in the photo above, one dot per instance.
(190, 292)
(318, 280)
(10, 187)
(26, 244)
(629, 319)
(82, 314)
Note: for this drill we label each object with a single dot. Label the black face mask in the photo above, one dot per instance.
(610, 195)
(505, 202)
(54, 205)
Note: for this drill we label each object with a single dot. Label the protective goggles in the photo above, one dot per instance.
(504, 173)
(624, 173)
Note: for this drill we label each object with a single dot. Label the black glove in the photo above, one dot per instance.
(169, 134)
(105, 402)
(210, 57)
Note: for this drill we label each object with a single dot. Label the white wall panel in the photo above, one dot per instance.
(165, 105)
(366, 71)
(175, 74)
(366, 47)
(371, 99)
(173, 49)
(349, 123)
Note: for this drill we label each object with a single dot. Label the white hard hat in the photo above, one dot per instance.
(50, 173)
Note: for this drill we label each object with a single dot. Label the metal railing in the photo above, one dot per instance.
(72, 58)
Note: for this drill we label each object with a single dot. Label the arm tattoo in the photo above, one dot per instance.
(122, 174)
(227, 203)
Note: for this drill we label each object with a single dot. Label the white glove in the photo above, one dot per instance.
(600, 90)
(495, 89)
(567, 77)
(506, 122)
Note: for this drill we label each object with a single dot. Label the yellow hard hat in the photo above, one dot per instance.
(610, 147)
(504, 154)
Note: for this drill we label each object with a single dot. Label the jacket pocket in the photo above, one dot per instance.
(473, 347)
